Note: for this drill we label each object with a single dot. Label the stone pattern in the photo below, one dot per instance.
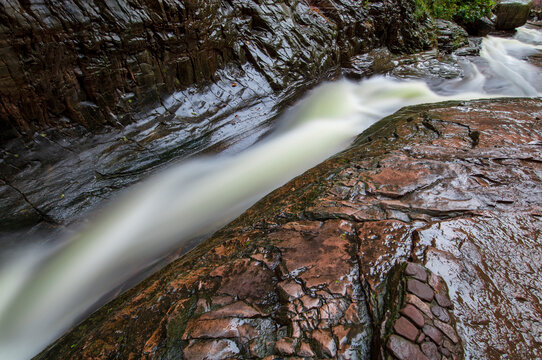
(418, 333)
(453, 187)
(96, 63)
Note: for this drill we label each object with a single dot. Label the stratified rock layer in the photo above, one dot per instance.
(306, 271)
(97, 62)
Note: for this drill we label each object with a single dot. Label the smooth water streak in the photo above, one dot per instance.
(43, 294)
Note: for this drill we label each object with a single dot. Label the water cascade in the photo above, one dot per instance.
(45, 292)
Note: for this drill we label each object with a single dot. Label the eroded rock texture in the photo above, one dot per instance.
(306, 271)
(418, 323)
(96, 62)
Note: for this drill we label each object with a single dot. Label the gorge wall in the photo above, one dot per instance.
(95, 63)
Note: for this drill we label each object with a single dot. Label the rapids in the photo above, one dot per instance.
(44, 293)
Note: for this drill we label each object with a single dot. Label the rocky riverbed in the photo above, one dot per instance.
(307, 271)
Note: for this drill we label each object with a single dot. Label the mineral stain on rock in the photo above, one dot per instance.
(319, 280)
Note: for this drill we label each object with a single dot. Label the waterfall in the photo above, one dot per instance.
(45, 292)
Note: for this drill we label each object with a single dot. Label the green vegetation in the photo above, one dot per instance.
(462, 11)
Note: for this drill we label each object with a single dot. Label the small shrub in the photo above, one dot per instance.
(462, 11)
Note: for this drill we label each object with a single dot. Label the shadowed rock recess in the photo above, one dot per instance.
(317, 268)
(94, 63)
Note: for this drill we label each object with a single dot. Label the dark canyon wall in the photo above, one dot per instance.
(94, 63)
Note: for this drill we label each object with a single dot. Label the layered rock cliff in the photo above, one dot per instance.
(97, 62)
(309, 270)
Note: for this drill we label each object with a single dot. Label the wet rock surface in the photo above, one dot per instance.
(95, 63)
(101, 95)
(306, 271)
(432, 337)
(512, 13)
(450, 36)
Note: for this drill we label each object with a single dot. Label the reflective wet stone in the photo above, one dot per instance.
(404, 349)
(413, 314)
(447, 330)
(414, 300)
(433, 333)
(416, 271)
(421, 290)
(406, 329)
(443, 300)
(440, 313)
(430, 350)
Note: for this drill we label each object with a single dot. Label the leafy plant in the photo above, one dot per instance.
(462, 11)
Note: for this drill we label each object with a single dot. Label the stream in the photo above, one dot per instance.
(189, 167)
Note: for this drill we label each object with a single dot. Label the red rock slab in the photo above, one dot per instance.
(406, 329)
(448, 330)
(440, 313)
(443, 300)
(421, 290)
(404, 349)
(247, 280)
(434, 334)
(326, 342)
(424, 307)
(219, 328)
(416, 271)
(305, 350)
(320, 259)
(238, 309)
(430, 350)
(291, 290)
(414, 315)
(213, 349)
(285, 346)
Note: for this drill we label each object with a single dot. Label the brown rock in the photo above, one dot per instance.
(238, 309)
(421, 338)
(430, 350)
(325, 342)
(405, 328)
(445, 352)
(213, 349)
(413, 314)
(310, 302)
(448, 345)
(414, 300)
(305, 350)
(443, 300)
(291, 290)
(285, 346)
(433, 333)
(447, 330)
(416, 271)
(436, 283)
(440, 313)
(404, 349)
(420, 289)
(351, 314)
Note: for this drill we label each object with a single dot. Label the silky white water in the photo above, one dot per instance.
(44, 293)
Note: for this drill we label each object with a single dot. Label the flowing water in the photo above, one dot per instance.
(44, 292)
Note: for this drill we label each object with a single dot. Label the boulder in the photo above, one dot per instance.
(512, 13)
(479, 26)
